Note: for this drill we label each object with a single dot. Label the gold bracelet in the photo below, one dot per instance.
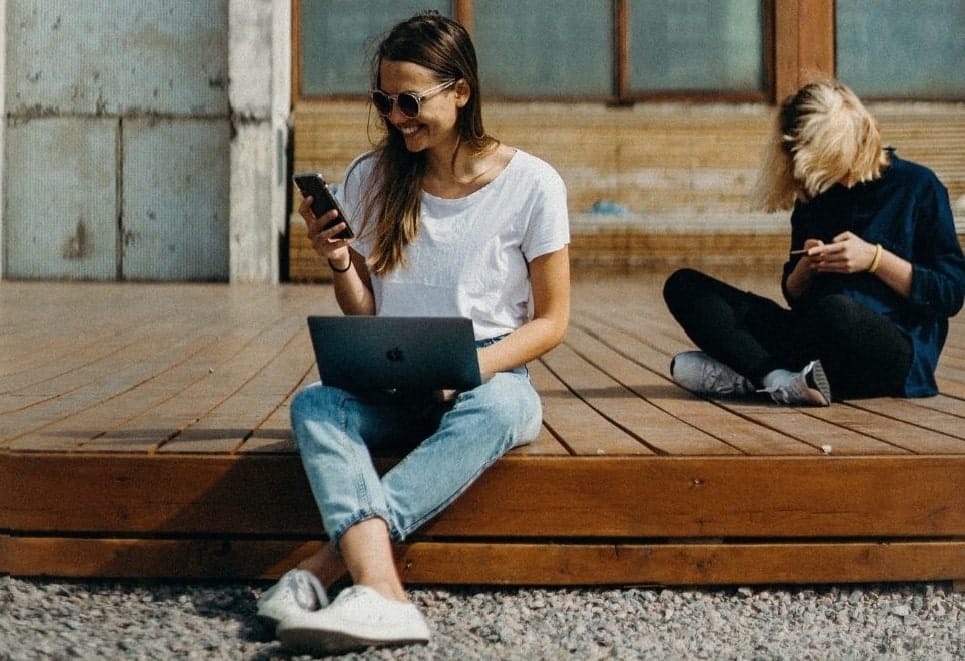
(876, 260)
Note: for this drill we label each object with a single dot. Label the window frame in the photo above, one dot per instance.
(798, 39)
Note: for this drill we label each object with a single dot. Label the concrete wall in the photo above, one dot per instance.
(142, 139)
(259, 65)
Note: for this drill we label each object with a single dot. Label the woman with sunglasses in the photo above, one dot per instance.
(450, 222)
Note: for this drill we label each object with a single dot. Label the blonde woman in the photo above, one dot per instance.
(874, 272)
(450, 222)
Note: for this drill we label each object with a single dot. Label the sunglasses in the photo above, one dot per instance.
(409, 103)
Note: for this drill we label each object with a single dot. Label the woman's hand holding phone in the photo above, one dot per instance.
(323, 234)
(806, 250)
(328, 228)
(847, 253)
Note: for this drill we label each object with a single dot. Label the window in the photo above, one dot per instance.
(899, 49)
(336, 37)
(544, 49)
(628, 50)
(555, 49)
(693, 45)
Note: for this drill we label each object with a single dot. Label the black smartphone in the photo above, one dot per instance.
(312, 184)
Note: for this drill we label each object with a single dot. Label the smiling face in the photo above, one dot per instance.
(435, 126)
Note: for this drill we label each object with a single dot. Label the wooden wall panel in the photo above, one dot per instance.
(804, 43)
(675, 169)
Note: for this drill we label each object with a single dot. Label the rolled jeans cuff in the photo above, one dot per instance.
(335, 536)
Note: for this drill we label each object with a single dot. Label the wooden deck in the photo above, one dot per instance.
(144, 432)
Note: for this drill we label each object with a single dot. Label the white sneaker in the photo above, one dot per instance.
(297, 591)
(703, 375)
(809, 386)
(359, 617)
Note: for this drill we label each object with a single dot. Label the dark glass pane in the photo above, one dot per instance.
(696, 45)
(897, 48)
(545, 48)
(338, 38)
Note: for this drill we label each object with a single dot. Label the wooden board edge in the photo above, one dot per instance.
(803, 562)
(487, 563)
(519, 497)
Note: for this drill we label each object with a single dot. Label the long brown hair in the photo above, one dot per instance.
(444, 47)
(823, 135)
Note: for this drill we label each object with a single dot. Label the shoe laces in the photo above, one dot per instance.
(797, 390)
(720, 379)
(779, 394)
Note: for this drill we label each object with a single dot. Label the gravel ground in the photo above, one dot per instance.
(58, 619)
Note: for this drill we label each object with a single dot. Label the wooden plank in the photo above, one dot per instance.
(610, 399)
(640, 563)
(152, 381)
(92, 377)
(177, 494)
(949, 405)
(666, 433)
(273, 435)
(949, 383)
(707, 427)
(859, 418)
(928, 431)
(520, 496)
(581, 429)
(683, 564)
(138, 558)
(816, 39)
(48, 370)
(252, 384)
(159, 349)
(252, 366)
(714, 496)
(546, 444)
(787, 57)
(838, 427)
(31, 311)
(618, 249)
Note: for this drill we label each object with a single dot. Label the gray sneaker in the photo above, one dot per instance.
(298, 590)
(359, 617)
(703, 375)
(808, 387)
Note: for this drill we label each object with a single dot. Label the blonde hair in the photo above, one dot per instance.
(823, 136)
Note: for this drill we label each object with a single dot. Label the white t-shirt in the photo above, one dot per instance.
(470, 256)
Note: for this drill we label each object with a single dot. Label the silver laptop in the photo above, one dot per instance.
(401, 353)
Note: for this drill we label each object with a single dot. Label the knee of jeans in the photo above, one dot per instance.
(307, 404)
(511, 405)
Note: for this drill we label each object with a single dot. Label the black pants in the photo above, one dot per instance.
(863, 353)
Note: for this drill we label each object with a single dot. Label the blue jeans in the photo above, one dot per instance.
(448, 445)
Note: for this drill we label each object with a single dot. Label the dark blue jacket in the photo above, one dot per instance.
(907, 211)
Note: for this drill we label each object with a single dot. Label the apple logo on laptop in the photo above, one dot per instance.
(395, 355)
